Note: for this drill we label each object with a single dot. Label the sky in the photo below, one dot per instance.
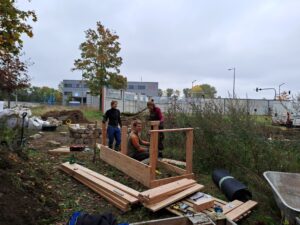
(175, 42)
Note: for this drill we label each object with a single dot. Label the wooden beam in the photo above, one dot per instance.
(124, 140)
(189, 151)
(115, 200)
(109, 188)
(174, 198)
(241, 210)
(171, 168)
(103, 134)
(124, 163)
(159, 193)
(153, 151)
(114, 183)
(231, 205)
(156, 183)
(155, 124)
(174, 162)
(171, 130)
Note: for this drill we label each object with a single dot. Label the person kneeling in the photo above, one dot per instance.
(137, 148)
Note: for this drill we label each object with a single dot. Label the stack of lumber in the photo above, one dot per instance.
(162, 196)
(118, 194)
(235, 210)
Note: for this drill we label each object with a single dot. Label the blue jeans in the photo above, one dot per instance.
(114, 133)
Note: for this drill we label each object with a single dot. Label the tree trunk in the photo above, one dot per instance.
(100, 100)
(8, 100)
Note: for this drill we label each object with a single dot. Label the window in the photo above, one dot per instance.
(68, 93)
(141, 87)
(67, 85)
(78, 85)
(131, 86)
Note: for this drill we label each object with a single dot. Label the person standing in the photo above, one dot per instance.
(156, 115)
(113, 116)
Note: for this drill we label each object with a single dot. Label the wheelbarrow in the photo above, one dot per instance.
(286, 190)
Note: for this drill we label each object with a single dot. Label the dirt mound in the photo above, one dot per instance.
(23, 197)
(75, 116)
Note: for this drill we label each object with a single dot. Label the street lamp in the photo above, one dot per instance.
(261, 89)
(279, 89)
(193, 83)
(233, 88)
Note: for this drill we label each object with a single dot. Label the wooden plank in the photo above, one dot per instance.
(62, 150)
(159, 193)
(174, 198)
(104, 185)
(154, 124)
(189, 151)
(124, 140)
(129, 166)
(103, 134)
(114, 183)
(231, 205)
(115, 200)
(174, 162)
(203, 204)
(153, 151)
(167, 189)
(156, 183)
(240, 210)
(171, 168)
(171, 130)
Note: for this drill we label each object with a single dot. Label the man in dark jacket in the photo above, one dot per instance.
(113, 130)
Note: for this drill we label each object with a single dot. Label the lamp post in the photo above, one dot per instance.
(279, 89)
(192, 87)
(233, 87)
(261, 89)
(82, 90)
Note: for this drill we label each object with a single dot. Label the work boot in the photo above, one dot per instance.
(117, 147)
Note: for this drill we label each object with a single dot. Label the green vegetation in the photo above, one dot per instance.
(239, 143)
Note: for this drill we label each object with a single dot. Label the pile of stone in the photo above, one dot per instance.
(84, 134)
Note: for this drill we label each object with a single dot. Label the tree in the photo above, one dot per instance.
(169, 91)
(13, 75)
(160, 92)
(177, 93)
(13, 23)
(187, 92)
(203, 90)
(99, 60)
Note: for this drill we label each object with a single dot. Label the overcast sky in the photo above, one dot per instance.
(175, 42)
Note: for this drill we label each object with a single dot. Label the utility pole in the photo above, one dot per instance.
(233, 86)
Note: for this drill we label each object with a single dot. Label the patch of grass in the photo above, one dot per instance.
(92, 114)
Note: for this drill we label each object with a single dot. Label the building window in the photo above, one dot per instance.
(141, 87)
(67, 85)
(68, 93)
(131, 86)
(78, 85)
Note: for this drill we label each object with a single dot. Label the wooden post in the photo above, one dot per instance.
(154, 125)
(124, 140)
(95, 134)
(189, 151)
(153, 151)
(103, 134)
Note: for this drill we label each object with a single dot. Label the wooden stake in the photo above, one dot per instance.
(153, 151)
(189, 151)
(124, 140)
(103, 134)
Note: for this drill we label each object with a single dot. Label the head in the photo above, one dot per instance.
(114, 104)
(136, 126)
(150, 105)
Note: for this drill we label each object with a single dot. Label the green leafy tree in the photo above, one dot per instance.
(177, 93)
(160, 92)
(100, 61)
(13, 23)
(13, 75)
(203, 90)
(170, 92)
(187, 92)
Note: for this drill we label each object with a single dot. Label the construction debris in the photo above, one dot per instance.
(66, 116)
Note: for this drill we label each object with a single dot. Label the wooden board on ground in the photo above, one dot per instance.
(111, 189)
(241, 210)
(174, 198)
(124, 163)
(156, 183)
(62, 150)
(174, 162)
(160, 193)
(171, 168)
(114, 183)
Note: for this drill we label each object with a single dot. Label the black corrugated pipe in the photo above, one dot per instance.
(232, 188)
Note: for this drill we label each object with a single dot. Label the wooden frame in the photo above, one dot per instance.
(143, 173)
